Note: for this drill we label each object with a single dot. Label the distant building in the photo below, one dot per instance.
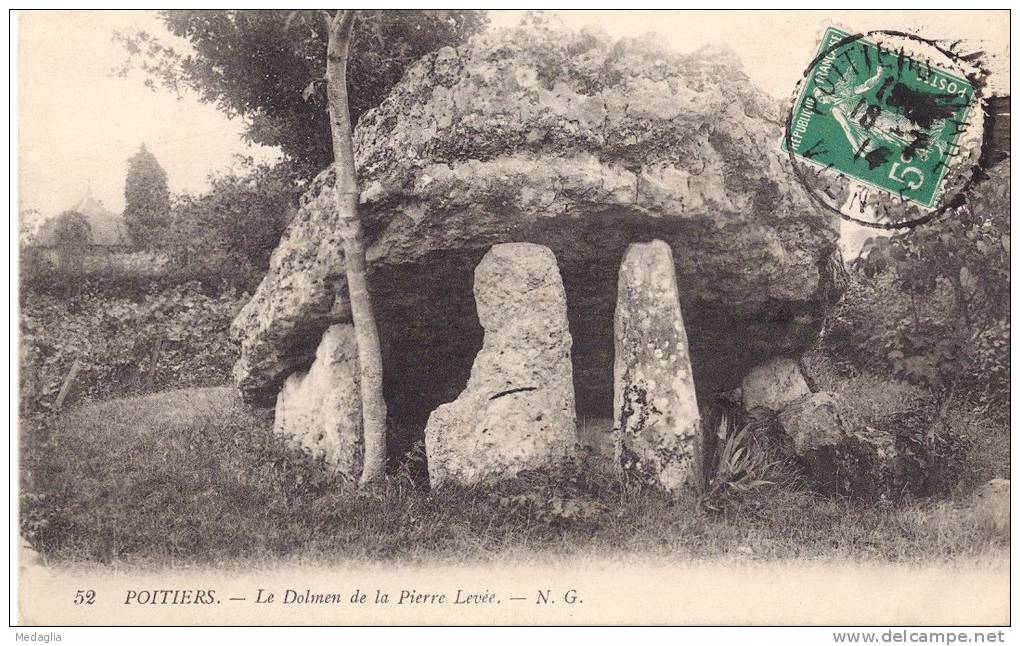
(108, 244)
(107, 231)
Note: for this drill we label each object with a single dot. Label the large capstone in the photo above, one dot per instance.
(657, 419)
(517, 411)
(578, 143)
(320, 410)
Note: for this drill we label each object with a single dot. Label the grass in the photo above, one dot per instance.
(194, 477)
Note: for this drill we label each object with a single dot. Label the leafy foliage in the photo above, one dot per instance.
(266, 66)
(932, 305)
(72, 235)
(575, 494)
(28, 223)
(552, 510)
(147, 198)
(230, 231)
(115, 274)
(72, 230)
(114, 338)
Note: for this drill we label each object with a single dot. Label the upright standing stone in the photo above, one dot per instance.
(517, 411)
(656, 411)
(321, 409)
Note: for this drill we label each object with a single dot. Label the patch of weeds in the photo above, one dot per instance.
(740, 464)
(577, 491)
(551, 510)
(413, 471)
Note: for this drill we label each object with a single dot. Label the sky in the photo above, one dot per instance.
(78, 123)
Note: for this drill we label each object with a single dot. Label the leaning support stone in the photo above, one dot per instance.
(517, 411)
(656, 411)
(320, 410)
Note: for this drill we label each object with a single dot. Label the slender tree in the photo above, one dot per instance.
(373, 405)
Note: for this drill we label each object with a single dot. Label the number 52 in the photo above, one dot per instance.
(87, 597)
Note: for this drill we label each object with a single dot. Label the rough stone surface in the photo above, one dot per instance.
(863, 463)
(813, 422)
(773, 385)
(656, 409)
(517, 411)
(578, 143)
(810, 429)
(321, 409)
(280, 327)
(990, 505)
(873, 464)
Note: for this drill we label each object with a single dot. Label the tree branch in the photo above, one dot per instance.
(343, 22)
(327, 19)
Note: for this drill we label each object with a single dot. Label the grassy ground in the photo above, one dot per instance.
(193, 476)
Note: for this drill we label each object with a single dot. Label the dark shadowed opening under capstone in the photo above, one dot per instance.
(430, 331)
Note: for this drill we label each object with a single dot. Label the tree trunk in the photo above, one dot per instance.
(373, 406)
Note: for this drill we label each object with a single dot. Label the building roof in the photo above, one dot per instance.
(107, 229)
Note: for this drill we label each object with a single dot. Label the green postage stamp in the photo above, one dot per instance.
(881, 116)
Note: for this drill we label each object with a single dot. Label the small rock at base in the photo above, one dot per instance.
(773, 385)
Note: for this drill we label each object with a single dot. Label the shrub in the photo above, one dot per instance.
(146, 198)
(72, 236)
(962, 446)
(230, 232)
(931, 305)
(124, 274)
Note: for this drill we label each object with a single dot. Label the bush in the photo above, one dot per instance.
(960, 444)
(146, 197)
(230, 232)
(931, 305)
(123, 274)
(735, 461)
